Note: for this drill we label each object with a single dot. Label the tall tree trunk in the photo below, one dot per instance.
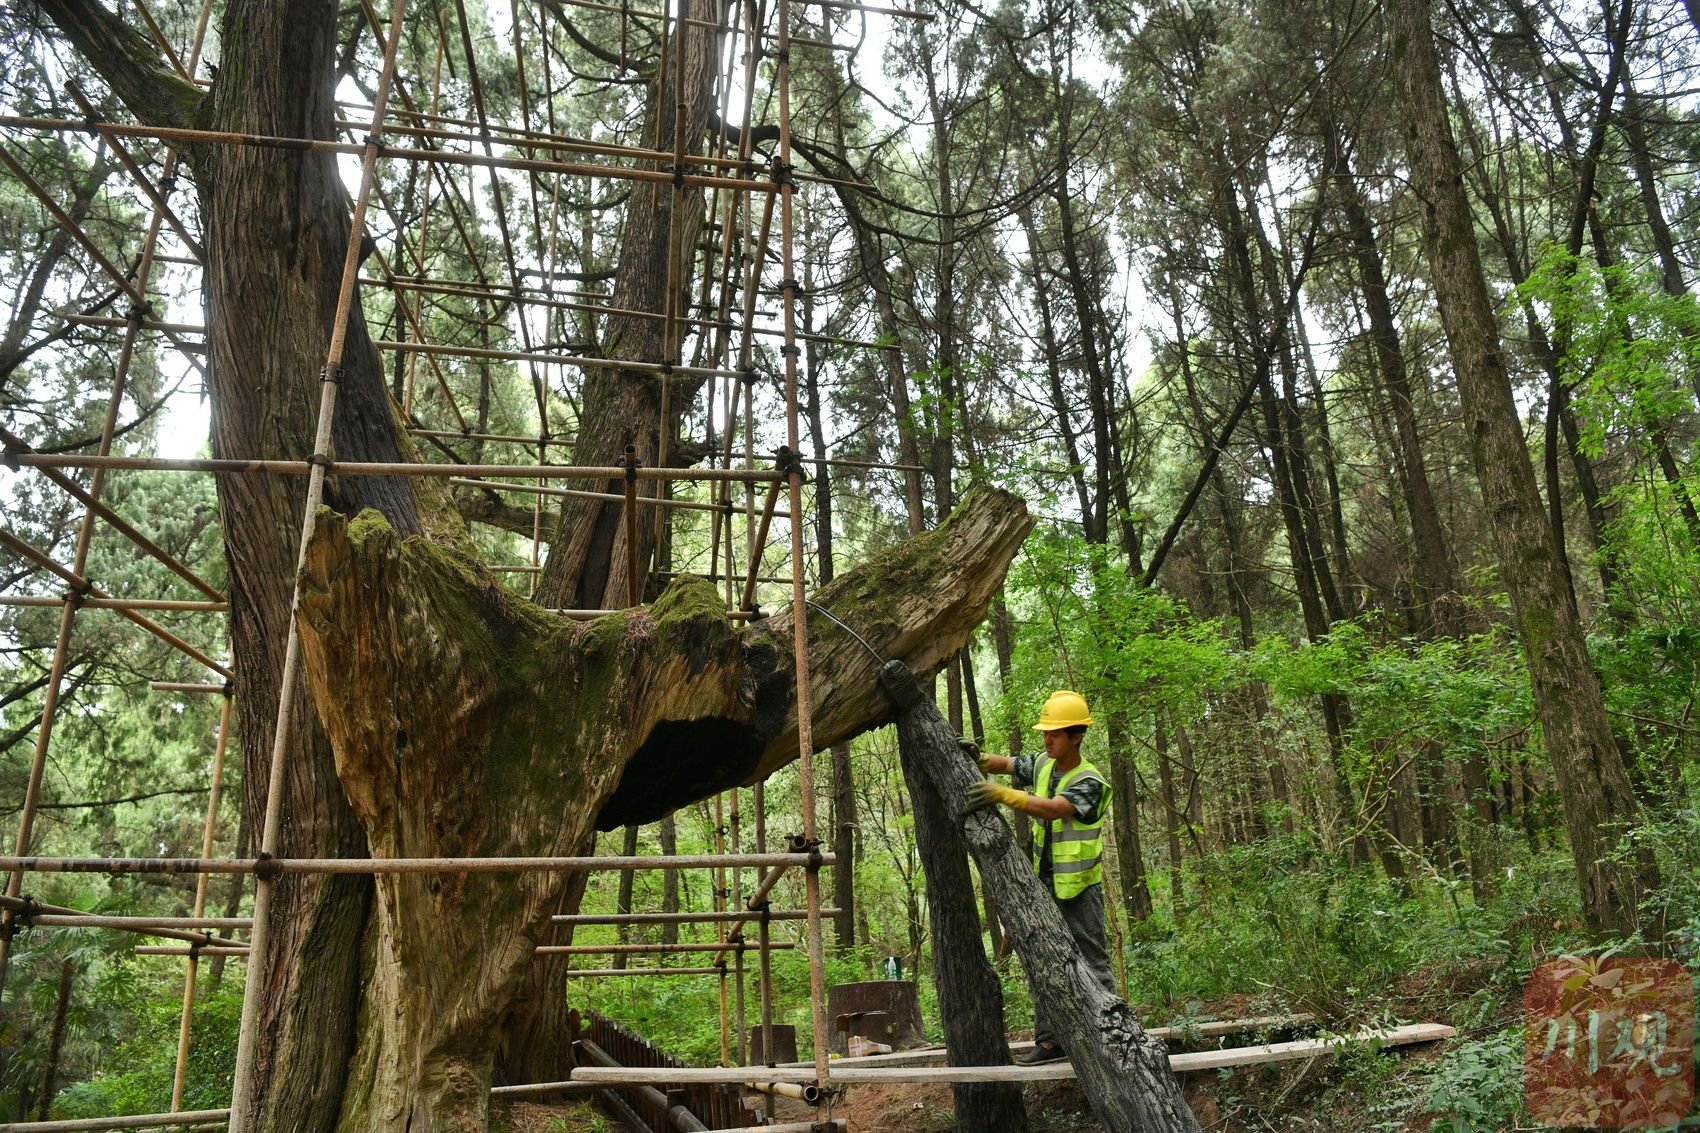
(1599, 804)
(623, 892)
(1123, 1070)
(1124, 805)
(56, 1041)
(970, 996)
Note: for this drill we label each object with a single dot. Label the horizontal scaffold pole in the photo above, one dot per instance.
(275, 866)
(395, 468)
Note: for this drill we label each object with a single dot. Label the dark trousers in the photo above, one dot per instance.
(1084, 916)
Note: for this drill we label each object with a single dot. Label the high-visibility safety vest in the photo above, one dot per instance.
(1077, 848)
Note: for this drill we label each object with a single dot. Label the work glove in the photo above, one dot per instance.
(972, 751)
(986, 793)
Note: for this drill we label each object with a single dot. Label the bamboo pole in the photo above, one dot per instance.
(643, 501)
(272, 867)
(749, 602)
(139, 1121)
(676, 918)
(81, 586)
(599, 973)
(799, 605)
(634, 585)
(186, 136)
(178, 605)
(68, 615)
(391, 468)
(180, 1076)
(28, 911)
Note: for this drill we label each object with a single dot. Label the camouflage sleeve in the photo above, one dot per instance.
(1087, 795)
(1021, 772)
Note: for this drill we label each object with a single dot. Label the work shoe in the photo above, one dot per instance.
(1041, 1054)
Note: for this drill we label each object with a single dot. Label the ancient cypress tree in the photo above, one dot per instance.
(408, 1043)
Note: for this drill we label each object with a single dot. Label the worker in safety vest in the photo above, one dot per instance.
(1070, 798)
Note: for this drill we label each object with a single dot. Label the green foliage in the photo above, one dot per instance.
(1293, 929)
(136, 1074)
(1477, 1087)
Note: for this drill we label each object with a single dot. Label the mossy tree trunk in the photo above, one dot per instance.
(467, 721)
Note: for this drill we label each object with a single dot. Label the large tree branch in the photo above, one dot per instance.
(128, 61)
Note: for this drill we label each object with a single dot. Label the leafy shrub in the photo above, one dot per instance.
(1478, 1086)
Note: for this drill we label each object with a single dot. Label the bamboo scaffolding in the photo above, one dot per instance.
(16, 448)
(183, 686)
(542, 300)
(174, 604)
(31, 912)
(677, 918)
(186, 136)
(611, 973)
(458, 435)
(391, 468)
(584, 363)
(155, 197)
(180, 1074)
(574, 493)
(197, 1117)
(81, 586)
(215, 946)
(738, 188)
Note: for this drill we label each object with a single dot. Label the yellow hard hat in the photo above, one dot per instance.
(1064, 709)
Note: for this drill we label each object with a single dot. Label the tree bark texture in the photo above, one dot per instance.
(1123, 1070)
(587, 565)
(1599, 804)
(467, 721)
(970, 996)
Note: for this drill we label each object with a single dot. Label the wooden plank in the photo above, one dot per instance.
(1180, 1063)
(930, 1055)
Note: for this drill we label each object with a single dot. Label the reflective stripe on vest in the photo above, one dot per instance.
(1077, 848)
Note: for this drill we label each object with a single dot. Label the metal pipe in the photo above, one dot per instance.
(801, 1091)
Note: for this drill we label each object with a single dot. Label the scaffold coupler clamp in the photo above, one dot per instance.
(786, 461)
(267, 868)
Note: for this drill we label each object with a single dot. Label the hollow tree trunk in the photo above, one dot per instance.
(467, 721)
(1124, 1071)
